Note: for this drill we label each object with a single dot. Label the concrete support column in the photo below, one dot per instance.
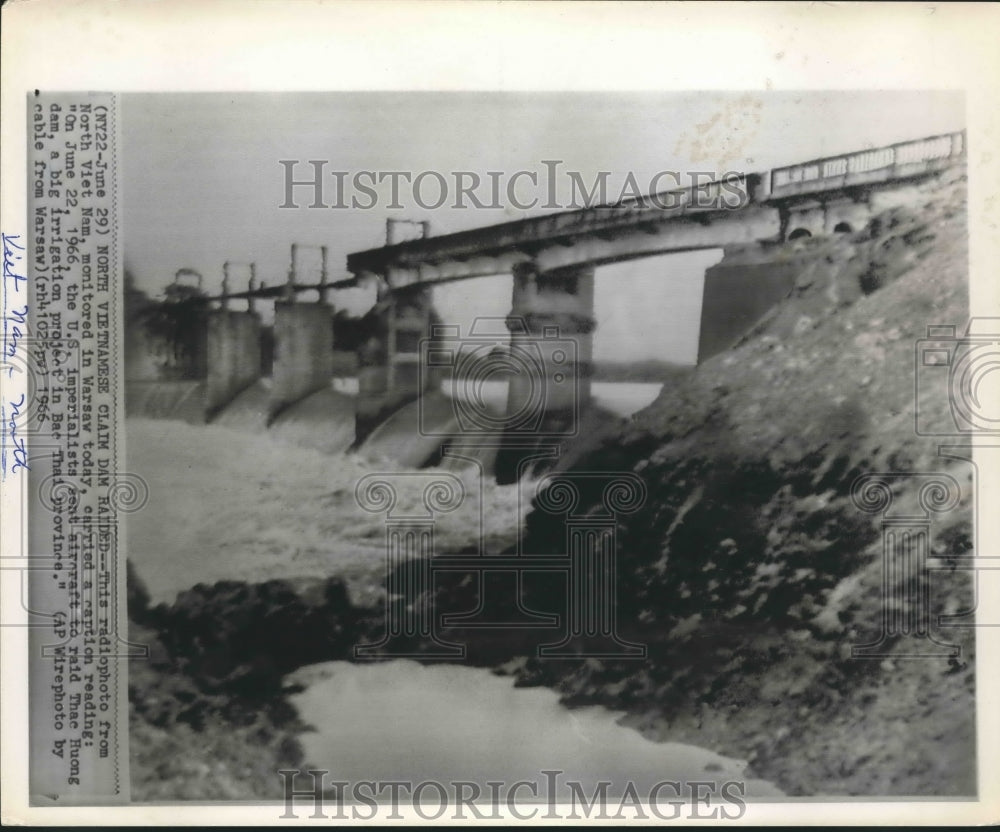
(738, 292)
(303, 352)
(409, 322)
(389, 371)
(552, 345)
(233, 357)
(551, 327)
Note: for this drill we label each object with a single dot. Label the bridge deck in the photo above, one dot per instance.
(865, 168)
(562, 228)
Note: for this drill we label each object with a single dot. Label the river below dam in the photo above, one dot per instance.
(400, 720)
(282, 512)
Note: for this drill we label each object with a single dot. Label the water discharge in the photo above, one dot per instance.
(324, 420)
(181, 400)
(298, 520)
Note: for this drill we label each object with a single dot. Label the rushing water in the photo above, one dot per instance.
(161, 399)
(399, 720)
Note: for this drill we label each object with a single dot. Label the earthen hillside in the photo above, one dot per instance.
(750, 572)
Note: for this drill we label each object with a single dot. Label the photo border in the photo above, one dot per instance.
(284, 45)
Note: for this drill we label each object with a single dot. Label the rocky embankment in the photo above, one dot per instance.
(749, 572)
(209, 718)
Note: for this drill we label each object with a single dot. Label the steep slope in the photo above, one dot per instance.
(750, 572)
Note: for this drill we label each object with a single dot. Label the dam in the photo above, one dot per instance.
(542, 351)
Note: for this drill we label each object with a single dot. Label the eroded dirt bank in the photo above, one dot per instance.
(751, 572)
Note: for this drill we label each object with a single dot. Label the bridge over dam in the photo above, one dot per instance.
(545, 345)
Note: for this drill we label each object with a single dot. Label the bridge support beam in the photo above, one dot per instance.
(303, 352)
(551, 327)
(233, 352)
(389, 371)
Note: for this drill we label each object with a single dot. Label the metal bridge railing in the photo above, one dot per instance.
(896, 155)
(705, 196)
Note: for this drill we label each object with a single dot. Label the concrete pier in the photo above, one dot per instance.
(551, 345)
(551, 355)
(303, 359)
(389, 371)
(738, 293)
(233, 340)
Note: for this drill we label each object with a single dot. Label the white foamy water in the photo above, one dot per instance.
(400, 720)
(345, 384)
(228, 504)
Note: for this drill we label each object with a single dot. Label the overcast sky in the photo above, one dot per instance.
(202, 181)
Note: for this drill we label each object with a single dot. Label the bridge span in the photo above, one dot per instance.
(553, 259)
(756, 207)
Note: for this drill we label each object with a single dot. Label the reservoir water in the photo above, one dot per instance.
(621, 398)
